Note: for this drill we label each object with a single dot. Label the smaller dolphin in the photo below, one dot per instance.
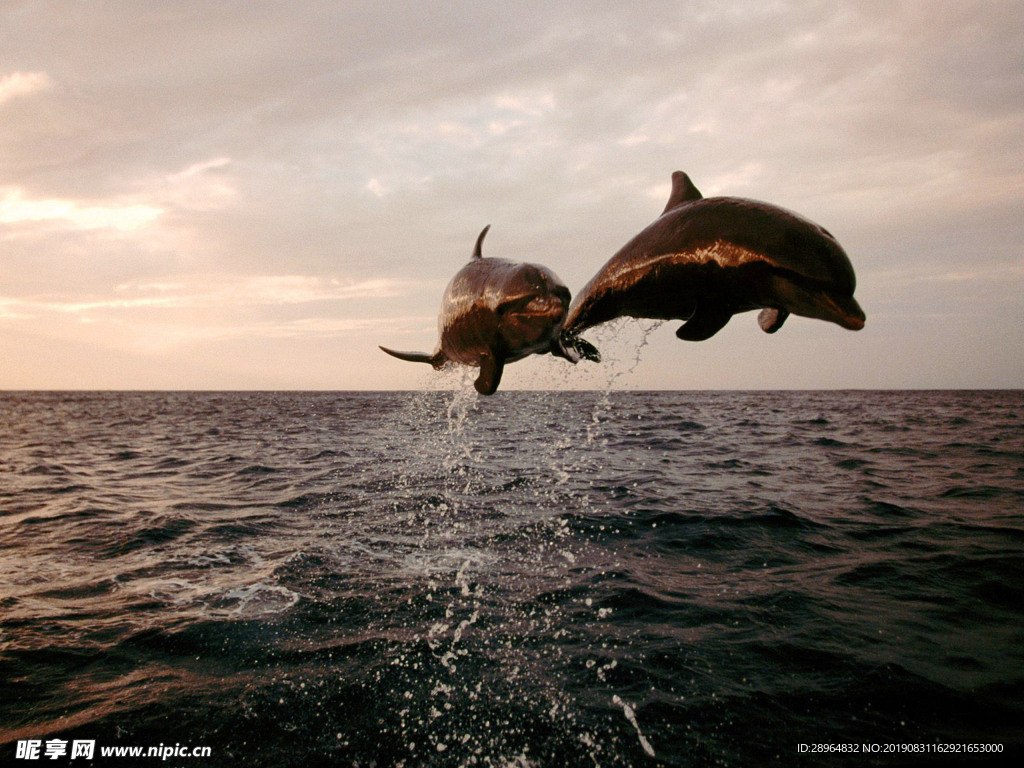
(496, 311)
(705, 259)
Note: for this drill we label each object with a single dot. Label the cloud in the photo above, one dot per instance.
(209, 292)
(529, 104)
(19, 84)
(301, 167)
(167, 335)
(375, 188)
(207, 312)
(997, 280)
(15, 208)
(202, 186)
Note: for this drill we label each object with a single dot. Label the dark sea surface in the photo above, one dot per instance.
(531, 579)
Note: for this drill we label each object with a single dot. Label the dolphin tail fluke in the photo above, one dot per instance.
(437, 359)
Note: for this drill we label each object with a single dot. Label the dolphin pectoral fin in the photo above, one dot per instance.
(586, 350)
(574, 349)
(704, 323)
(491, 368)
(437, 360)
(771, 319)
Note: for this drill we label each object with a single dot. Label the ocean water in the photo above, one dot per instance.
(531, 579)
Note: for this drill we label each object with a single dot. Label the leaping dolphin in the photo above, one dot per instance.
(496, 311)
(705, 259)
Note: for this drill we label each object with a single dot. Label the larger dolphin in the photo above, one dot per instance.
(496, 311)
(705, 259)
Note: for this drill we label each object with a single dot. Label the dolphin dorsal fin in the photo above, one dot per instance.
(683, 191)
(477, 251)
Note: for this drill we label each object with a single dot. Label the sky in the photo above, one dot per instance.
(255, 195)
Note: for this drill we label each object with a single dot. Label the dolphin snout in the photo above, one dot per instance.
(854, 323)
(548, 305)
(848, 313)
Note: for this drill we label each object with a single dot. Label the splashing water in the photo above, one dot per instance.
(609, 337)
(630, 714)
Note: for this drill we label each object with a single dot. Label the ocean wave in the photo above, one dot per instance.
(536, 578)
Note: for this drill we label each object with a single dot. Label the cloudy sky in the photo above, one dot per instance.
(254, 195)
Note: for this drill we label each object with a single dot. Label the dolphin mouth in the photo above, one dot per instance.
(844, 311)
(853, 323)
